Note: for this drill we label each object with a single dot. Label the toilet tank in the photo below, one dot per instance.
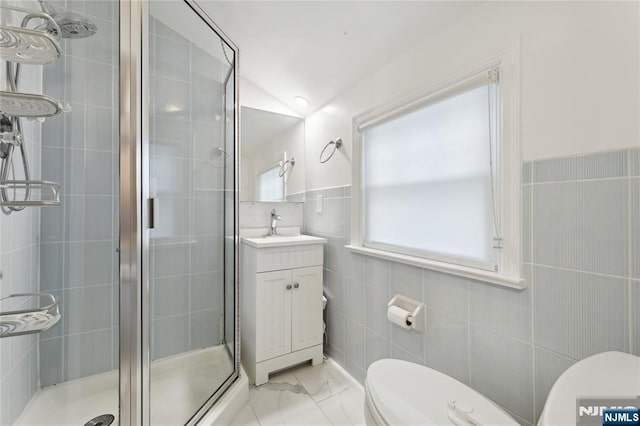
(608, 377)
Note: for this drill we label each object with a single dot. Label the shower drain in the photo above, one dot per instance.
(101, 420)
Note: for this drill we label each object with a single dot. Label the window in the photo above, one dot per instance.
(271, 185)
(433, 188)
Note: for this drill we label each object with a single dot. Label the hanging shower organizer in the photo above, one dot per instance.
(35, 42)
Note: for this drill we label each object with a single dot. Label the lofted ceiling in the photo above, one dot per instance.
(318, 49)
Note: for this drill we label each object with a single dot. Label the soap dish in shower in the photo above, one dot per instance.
(31, 319)
(49, 193)
(19, 104)
(27, 46)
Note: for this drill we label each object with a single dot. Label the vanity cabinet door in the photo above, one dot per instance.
(273, 314)
(306, 306)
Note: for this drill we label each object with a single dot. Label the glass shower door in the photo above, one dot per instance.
(191, 228)
(141, 315)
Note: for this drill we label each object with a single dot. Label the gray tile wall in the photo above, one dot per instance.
(78, 240)
(581, 245)
(19, 274)
(187, 247)
(296, 198)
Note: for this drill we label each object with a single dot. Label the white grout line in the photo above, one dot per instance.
(600, 274)
(597, 179)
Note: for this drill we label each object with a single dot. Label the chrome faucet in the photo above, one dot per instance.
(274, 221)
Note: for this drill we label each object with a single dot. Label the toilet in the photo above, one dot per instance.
(607, 374)
(403, 393)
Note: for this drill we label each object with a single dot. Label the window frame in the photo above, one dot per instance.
(508, 194)
(265, 170)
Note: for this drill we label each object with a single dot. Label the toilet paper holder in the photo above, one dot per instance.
(418, 317)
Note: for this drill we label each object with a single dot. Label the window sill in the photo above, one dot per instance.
(463, 271)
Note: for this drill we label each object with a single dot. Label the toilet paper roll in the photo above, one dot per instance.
(399, 316)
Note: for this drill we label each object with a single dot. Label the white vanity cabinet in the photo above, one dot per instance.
(281, 303)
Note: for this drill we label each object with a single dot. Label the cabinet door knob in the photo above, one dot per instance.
(296, 285)
(288, 286)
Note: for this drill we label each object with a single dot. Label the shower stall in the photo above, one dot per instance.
(119, 198)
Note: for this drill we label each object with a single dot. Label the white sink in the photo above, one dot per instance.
(282, 240)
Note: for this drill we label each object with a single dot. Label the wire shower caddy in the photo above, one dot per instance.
(35, 42)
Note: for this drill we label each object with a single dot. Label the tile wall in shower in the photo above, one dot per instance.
(19, 272)
(581, 245)
(187, 248)
(78, 258)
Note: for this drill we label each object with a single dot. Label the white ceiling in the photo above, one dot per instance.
(259, 127)
(318, 49)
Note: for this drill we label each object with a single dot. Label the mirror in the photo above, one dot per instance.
(272, 166)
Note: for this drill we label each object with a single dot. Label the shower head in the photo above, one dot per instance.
(71, 25)
(74, 26)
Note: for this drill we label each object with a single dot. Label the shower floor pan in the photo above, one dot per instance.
(178, 385)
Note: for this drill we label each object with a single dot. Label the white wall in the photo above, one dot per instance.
(579, 79)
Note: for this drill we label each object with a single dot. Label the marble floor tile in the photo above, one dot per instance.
(305, 395)
(283, 407)
(322, 381)
(284, 401)
(345, 408)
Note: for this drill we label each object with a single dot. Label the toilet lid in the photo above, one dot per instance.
(607, 374)
(404, 393)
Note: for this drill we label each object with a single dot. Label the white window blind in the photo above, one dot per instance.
(427, 179)
(270, 185)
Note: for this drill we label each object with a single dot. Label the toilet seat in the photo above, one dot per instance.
(403, 393)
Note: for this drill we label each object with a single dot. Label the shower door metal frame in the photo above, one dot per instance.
(130, 244)
(134, 244)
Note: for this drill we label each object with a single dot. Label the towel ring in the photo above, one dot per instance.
(214, 156)
(284, 169)
(336, 145)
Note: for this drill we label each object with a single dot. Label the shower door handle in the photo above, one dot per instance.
(154, 212)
